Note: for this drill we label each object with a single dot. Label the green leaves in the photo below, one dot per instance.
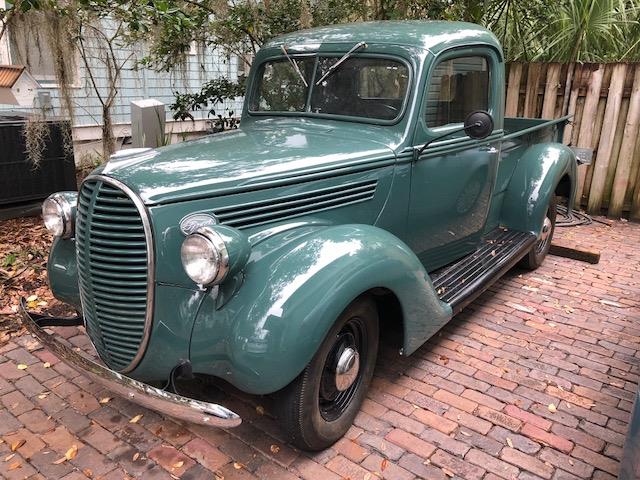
(567, 30)
(9, 260)
(213, 93)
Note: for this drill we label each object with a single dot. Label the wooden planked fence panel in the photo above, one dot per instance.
(604, 100)
(625, 157)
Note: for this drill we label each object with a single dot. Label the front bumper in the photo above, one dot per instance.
(161, 401)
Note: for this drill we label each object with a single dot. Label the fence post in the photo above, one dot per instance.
(585, 136)
(513, 91)
(551, 91)
(531, 95)
(574, 71)
(605, 148)
(625, 157)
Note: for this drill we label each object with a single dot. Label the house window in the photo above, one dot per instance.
(29, 46)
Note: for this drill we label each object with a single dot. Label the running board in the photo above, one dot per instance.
(460, 283)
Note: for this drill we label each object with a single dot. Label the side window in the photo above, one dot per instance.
(458, 87)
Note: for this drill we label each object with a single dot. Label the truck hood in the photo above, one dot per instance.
(263, 154)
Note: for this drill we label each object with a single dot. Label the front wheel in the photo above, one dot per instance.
(319, 406)
(539, 251)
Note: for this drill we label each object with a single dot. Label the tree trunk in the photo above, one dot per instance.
(108, 141)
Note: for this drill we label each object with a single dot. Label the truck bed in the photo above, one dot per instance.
(543, 130)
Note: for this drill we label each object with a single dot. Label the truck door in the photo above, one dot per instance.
(452, 180)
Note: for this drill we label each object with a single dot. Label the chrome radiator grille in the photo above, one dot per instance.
(115, 253)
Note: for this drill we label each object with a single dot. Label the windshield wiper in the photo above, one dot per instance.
(333, 67)
(294, 65)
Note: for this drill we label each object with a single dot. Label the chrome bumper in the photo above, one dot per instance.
(150, 397)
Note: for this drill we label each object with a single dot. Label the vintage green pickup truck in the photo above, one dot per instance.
(373, 186)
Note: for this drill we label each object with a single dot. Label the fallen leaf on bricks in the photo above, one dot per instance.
(237, 465)
(22, 366)
(178, 464)
(610, 303)
(384, 464)
(18, 444)
(46, 365)
(521, 308)
(509, 442)
(260, 410)
(136, 419)
(104, 400)
(72, 452)
(552, 408)
(9, 457)
(15, 465)
(136, 456)
(274, 448)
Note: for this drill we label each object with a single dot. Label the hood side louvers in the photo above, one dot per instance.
(266, 211)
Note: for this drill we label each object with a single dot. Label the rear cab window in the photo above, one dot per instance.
(458, 87)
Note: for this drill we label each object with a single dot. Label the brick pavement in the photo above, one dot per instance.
(473, 403)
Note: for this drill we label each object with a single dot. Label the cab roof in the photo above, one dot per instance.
(425, 34)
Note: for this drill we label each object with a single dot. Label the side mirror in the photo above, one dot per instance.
(478, 124)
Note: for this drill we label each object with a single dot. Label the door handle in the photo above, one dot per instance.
(491, 150)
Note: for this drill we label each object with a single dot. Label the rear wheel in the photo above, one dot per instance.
(540, 249)
(319, 406)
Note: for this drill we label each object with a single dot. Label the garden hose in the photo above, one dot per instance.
(571, 218)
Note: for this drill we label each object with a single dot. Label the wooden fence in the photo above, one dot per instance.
(604, 100)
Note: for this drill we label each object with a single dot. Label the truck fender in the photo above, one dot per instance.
(295, 288)
(62, 271)
(534, 180)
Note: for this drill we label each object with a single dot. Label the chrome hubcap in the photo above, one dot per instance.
(341, 374)
(544, 235)
(347, 368)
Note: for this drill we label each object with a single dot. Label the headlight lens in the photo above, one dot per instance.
(57, 216)
(204, 257)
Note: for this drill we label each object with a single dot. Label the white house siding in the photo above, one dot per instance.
(137, 83)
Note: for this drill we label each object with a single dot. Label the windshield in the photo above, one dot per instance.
(366, 87)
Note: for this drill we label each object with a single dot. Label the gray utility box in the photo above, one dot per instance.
(147, 123)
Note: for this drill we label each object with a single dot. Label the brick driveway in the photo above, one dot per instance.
(473, 403)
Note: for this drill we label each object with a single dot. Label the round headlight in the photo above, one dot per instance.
(57, 216)
(204, 257)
